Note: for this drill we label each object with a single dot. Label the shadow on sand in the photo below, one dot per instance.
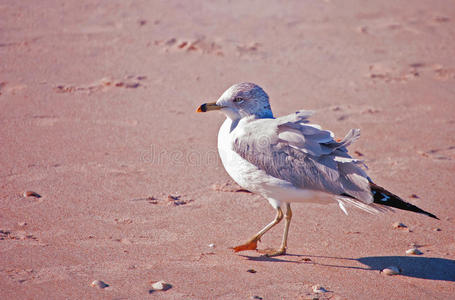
(433, 268)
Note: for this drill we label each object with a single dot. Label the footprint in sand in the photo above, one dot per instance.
(200, 45)
(443, 154)
(129, 82)
(11, 89)
(391, 73)
(20, 275)
(250, 51)
(16, 235)
(395, 73)
(443, 73)
(218, 48)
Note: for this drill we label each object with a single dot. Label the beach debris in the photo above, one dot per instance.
(152, 200)
(318, 289)
(362, 29)
(161, 286)
(5, 234)
(306, 259)
(251, 271)
(391, 270)
(399, 225)
(132, 85)
(99, 284)
(358, 153)
(229, 187)
(176, 200)
(414, 196)
(173, 198)
(414, 251)
(31, 194)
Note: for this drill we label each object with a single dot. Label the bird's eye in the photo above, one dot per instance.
(238, 99)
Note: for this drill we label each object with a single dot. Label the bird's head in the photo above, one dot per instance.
(241, 100)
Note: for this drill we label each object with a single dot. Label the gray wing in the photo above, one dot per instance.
(291, 149)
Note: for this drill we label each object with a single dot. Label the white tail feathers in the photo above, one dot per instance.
(369, 208)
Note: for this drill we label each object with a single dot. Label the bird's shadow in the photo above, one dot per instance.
(433, 268)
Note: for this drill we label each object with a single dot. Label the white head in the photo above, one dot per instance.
(241, 100)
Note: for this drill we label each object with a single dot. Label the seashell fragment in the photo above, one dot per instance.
(161, 286)
(212, 245)
(414, 251)
(318, 289)
(99, 284)
(31, 194)
(391, 270)
(399, 225)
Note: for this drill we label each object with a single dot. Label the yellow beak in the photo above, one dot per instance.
(208, 107)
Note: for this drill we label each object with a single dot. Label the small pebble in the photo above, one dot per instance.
(99, 284)
(306, 259)
(212, 245)
(31, 194)
(22, 224)
(414, 251)
(251, 271)
(436, 229)
(132, 85)
(358, 153)
(161, 286)
(256, 297)
(318, 289)
(392, 270)
(398, 225)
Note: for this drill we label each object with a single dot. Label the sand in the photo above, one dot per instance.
(97, 115)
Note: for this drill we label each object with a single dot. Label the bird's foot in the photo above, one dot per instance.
(273, 252)
(250, 245)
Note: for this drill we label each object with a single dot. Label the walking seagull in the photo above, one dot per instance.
(288, 160)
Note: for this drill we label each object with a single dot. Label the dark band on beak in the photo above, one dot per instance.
(202, 108)
(208, 107)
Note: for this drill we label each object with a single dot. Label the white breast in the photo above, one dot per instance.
(255, 180)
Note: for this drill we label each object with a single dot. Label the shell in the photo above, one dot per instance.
(161, 286)
(31, 194)
(318, 289)
(399, 225)
(414, 251)
(391, 270)
(99, 284)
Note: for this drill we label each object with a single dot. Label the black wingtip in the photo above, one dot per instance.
(430, 215)
(384, 197)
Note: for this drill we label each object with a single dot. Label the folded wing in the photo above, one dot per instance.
(292, 149)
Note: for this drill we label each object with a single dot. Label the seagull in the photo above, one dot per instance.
(288, 159)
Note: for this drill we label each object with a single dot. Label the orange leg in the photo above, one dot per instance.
(252, 243)
(284, 242)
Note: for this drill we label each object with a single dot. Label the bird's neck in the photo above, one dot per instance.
(264, 114)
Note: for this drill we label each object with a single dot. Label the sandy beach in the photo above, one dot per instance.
(98, 119)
